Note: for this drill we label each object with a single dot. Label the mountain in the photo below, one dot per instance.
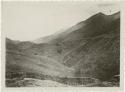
(18, 60)
(90, 48)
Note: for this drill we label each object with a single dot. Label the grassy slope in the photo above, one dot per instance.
(90, 48)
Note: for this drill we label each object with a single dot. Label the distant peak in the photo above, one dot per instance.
(100, 13)
(98, 16)
(116, 15)
(104, 14)
(8, 39)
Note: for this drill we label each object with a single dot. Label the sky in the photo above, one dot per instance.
(27, 21)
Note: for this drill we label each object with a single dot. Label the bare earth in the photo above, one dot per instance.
(30, 82)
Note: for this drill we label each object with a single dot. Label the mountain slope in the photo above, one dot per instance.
(90, 48)
(18, 60)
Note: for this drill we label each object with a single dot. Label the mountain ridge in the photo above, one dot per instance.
(90, 48)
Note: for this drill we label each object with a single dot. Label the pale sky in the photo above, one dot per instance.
(31, 20)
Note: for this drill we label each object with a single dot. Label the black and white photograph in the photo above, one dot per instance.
(61, 44)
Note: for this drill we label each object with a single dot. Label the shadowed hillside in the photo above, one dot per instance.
(90, 48)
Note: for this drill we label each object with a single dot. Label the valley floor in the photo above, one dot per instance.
(32, 82)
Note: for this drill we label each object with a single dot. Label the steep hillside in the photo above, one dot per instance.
(99, 55)
(19, 60)
(90, 48)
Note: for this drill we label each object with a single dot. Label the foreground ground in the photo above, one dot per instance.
(31, 82)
